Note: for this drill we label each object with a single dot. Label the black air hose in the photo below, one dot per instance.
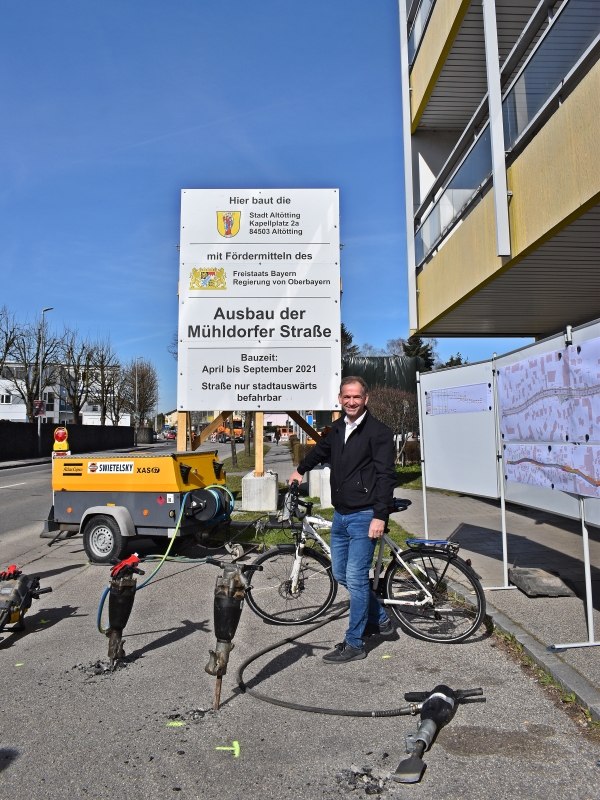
(339, 712)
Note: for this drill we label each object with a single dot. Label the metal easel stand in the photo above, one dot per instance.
(500, 472)
(557, 648)
(422, 451)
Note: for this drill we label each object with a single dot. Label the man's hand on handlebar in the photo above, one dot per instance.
(376, 528)
(295, 476)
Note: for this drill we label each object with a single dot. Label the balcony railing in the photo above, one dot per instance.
(418, 28)
(573, 31)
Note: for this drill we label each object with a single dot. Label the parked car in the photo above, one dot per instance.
(171, 435)
(222, 438)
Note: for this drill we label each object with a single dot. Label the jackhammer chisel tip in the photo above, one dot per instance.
(410, 770)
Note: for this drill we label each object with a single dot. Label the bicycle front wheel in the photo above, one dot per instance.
(447, 617)
(271, 595)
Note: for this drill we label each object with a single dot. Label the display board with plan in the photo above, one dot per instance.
(459, 399)
(563, 467)
(553, 397)
(549, 408)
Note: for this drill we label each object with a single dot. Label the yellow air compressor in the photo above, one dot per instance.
(112, 498)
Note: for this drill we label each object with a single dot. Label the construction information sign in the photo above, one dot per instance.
(259, 299)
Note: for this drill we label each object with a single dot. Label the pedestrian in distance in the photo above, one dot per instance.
(277, 436)
(360, 450)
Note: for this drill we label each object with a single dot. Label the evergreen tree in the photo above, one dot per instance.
(456, 361)
(414, 347)
(349, 350)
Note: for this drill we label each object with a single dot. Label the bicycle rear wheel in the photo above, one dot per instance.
(271, 594)
(447, 618)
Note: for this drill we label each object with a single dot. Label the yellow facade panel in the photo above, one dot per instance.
(558, 173)
(446, 18)
(466, 260)
(554, 180)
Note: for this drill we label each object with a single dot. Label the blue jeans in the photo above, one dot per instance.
(352, 556)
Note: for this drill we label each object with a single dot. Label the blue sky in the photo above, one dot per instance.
(108, 110)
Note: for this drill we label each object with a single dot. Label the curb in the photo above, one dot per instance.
(17, 464)
(586, 694)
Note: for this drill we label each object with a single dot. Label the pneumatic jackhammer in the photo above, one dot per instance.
(436, 709)
(123, 585)
(16, 594)
(230, 590)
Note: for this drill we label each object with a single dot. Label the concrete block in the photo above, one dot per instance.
(260, 494)
(314, 481)
(325, 492)
(537, 582)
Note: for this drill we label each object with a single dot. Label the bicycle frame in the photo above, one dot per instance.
(309, 532)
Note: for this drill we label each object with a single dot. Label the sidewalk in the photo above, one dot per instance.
(535, 539)
(279, 460)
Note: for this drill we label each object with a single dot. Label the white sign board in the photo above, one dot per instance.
(259, 299)
(459, 429)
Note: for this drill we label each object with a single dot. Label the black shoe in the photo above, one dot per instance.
(379, 628)
(343, 653)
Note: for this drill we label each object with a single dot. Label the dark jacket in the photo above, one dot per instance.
(362, 469)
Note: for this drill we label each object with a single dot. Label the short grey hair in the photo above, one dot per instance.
(354, 379)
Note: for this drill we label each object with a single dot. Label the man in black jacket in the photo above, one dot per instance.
(360, 450)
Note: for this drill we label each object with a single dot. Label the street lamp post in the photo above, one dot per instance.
(40, 378)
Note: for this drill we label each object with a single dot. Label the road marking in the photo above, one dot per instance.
(175, 724)
(386, 656)
(19, 665)
(10, 485)
(235, 748)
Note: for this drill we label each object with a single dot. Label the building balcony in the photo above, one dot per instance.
(552, 277)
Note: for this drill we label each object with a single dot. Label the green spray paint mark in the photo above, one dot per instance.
(235, 747)
(386, 656)
(175, 724)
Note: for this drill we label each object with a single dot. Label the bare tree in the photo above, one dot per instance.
(76, 355)
(9, 330)
(398, 410)
(369, 350)
(118, 400)
(173, 345)
(105, 364)
(34, 350)
(146, 379)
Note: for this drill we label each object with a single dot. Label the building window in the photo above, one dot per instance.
(49, 398)
(5, 399)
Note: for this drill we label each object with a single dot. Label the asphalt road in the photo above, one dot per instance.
(68, 729)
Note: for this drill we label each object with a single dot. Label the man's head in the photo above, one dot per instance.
(354, 396)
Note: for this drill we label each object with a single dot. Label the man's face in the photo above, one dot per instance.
(353, 400)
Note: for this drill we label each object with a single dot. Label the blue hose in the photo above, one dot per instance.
(147, 581)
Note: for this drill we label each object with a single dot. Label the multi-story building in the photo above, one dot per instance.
(501, 118)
